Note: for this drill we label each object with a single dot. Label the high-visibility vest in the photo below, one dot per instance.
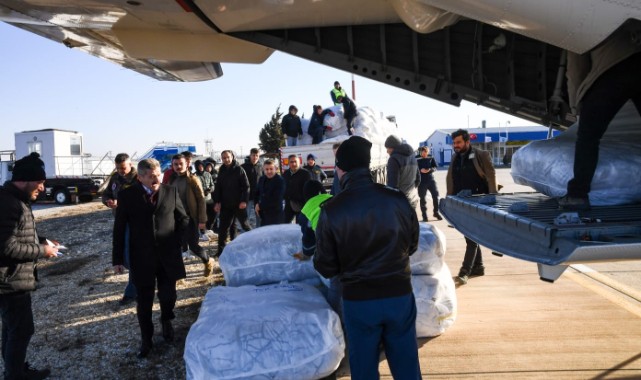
(312, 208)
(338, 93)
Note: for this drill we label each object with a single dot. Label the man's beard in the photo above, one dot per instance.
(463, 150)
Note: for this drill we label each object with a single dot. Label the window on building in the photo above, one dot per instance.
(35, 146)
(76, 146)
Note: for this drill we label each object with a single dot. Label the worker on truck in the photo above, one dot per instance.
(291, 126)
(336, 92)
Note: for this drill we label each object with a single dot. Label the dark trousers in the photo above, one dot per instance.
(598, 107)
(130, 289)
(166, 296)
(269, 218)
(191, 239)
(290, 214)
(17, 329)
(317, 136)
(211, 215)
(473, 257)
(350, 124)
(227, 216)
(391, 321)
(422, 192)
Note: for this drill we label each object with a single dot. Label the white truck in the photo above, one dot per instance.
(369, 124)
(65, 164)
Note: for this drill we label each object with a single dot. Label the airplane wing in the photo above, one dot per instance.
(184, 40)
(149, 42)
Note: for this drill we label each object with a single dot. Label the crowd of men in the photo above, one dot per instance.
(157, 217)
(161, 216)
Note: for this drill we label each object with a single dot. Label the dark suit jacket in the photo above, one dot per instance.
(155, 232)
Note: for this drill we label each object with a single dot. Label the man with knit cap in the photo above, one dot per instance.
(402, 169)
(20, 249)
(365, 235)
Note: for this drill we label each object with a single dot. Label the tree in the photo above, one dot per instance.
(271, 136)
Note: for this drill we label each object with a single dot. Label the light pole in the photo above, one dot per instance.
(507, 123)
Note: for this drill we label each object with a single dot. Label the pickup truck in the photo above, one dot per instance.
(369, 124)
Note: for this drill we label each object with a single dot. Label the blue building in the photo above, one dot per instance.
(500, 142)
(164, 151)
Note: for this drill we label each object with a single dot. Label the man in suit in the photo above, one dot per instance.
(157, 219)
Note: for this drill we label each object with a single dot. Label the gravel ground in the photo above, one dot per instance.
(80, 330)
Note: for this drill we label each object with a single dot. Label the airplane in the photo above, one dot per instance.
(505, 55)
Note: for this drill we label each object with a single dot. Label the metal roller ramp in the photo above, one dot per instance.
(530, 226)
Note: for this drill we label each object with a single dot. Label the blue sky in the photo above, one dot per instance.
(46, 85)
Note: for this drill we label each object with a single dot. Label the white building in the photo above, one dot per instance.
(61, 150)
(500, 142)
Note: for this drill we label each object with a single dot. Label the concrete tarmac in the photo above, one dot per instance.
(511, 325)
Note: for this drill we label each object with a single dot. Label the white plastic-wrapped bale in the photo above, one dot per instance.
(368, 124)
(435, 302)
(264, 256)
(306, 139)
(547, 165)
(428, 258)
(285, 331)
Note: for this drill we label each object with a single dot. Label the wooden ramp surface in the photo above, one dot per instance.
(511, 325)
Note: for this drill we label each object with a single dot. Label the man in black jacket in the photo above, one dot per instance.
(349, 113)
(269, 195)
(157, 219)
(471, 169)
(427, 166)
(124, 177)
(365, 235)
(230, 198)
(291, 126)
(295, 179)
(20, 249)
(254, 170)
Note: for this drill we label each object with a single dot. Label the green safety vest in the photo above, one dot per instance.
(312, 208)
(338, 93)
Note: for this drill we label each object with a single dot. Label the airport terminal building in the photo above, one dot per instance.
(500, 142)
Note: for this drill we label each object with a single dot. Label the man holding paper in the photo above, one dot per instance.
(20, 249)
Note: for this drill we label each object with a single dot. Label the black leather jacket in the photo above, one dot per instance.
(365, 235)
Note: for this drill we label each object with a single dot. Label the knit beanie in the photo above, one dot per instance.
(29, 168)
(354, 153)
(311, 157)
(392, 142)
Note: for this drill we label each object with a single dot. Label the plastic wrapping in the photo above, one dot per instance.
(264, 256)
(368, 124)
(435, 302)
(548, 165)
(428, 258)
(283, 331)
